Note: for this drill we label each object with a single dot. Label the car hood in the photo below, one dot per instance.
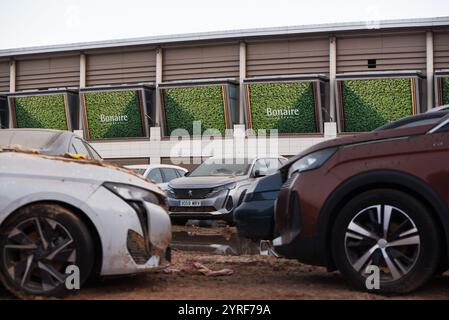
(203, 182)
(47, 167)
(363, 138)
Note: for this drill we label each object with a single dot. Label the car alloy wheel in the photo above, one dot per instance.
(37, 244)
(37, 252)
(391, 230)
(383, 236)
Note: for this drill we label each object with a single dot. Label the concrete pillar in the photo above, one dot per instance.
(12, 75)
(83, 70)
(332, 77)
(430, 69)
(159, 79)
(242, 76)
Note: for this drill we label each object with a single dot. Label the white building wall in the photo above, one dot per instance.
(156, 148)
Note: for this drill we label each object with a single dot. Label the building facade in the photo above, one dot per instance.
(310, 83)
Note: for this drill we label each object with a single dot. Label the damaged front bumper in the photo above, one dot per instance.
(134, 238)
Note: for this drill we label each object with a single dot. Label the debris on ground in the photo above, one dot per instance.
(202, 269)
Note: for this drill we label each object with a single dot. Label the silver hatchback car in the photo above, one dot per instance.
(214, 189)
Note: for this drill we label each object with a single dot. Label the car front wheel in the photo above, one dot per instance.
(37, 245)
(388, 235)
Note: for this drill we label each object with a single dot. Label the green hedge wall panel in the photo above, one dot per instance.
(288, 97)
(445, 89)
(369, 104)
(113, 105)
(46, 112)
(185, 105)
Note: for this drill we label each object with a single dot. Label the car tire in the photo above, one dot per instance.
(391, 230)
(37, 244)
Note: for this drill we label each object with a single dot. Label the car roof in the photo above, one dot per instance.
(249, 159)
(32, 138)
(433, 116)
(440, 108)
(153, 166)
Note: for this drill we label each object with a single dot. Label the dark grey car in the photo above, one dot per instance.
(47, 141)
(214, 189)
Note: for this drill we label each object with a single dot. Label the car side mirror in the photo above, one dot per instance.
(187, 174)
(260, 173)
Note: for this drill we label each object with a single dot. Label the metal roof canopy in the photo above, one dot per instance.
(198, 82)
(442, 72)
(148, 86)
(305, 77)
(379, 74)
(51, 91)
(233, 34)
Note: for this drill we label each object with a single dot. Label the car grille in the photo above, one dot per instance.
(137, 248)
(191, 209)
(191, 193)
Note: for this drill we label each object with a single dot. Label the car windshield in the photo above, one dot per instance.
(222, 167)
(38, 140)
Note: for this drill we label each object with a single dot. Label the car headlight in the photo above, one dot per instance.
(169, 191)
(228, 187)
(132, 193)
(311, 161)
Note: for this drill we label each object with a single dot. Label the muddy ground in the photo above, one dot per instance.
(254, 277)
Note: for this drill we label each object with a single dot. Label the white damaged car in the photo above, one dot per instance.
(57, 213)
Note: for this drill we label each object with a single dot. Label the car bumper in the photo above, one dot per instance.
(126, 249)
(219, 207)
(255, 219)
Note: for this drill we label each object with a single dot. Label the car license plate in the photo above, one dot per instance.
(190, 203)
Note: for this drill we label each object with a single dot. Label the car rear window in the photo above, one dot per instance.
(169, 174)
(28, 139)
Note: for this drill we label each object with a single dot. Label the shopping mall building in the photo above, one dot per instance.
(310, 83)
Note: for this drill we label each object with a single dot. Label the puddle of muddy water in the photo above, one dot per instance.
(214, 241)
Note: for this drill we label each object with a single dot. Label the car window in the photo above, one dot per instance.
(30, 139)
(140, 171)
(80, 147)
(222, 167)
(260, 164)
(169, 174)
(94, 154)
(72, 148)
(181, 173)
(282, 161)
(155, 175)
(272, 165)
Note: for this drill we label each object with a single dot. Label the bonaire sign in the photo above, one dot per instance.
(113, 114)
(114, 118)
(282, 112)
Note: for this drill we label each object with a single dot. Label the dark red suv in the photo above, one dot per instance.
(377, 199)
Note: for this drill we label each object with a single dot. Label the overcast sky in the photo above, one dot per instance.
(25, 23)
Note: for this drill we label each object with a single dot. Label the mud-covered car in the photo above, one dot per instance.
(58, 212)
(375, 201)
(48, 141)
